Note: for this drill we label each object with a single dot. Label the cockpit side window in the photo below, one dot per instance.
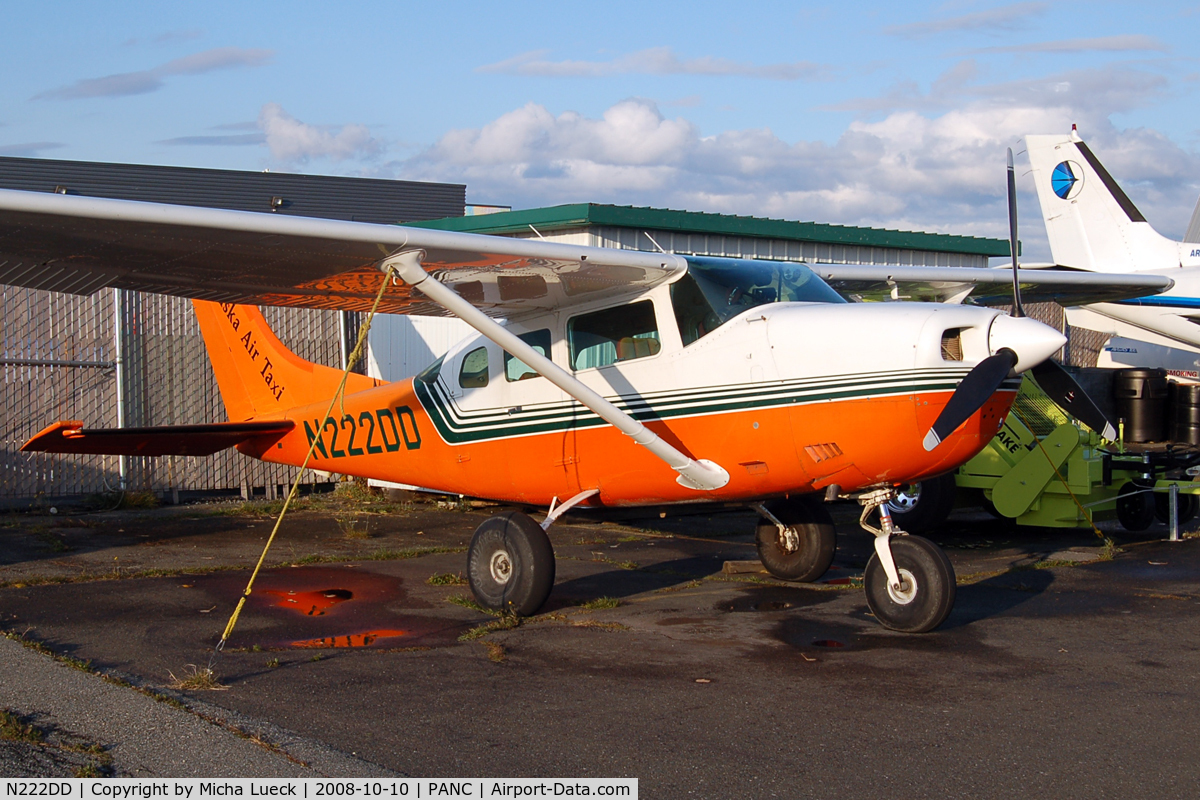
(693, 313)
(614, 334)
(517, 370)
(715, 290)
(473, 374)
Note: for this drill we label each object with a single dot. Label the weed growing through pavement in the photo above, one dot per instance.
(197, 679)
(13, 729)
(495, 652)
(600, 602)
(273, 663)
(505, 622)
(446, 579)
(354, 526)
(471, 603)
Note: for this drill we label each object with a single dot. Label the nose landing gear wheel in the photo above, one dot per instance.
(927, 585)
(805, 551)
(510, 564)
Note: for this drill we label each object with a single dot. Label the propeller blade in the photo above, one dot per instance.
(975, 390)
(1068, 395)
(1017, 311)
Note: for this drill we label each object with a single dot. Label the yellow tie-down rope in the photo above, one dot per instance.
(351, 360)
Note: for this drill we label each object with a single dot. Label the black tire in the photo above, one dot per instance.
(510, 564)
(1135, 508)
(1189, 504)
(929, 586)
(817, 540)
(923, 506)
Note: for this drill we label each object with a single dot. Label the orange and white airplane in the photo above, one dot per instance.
(618, 377)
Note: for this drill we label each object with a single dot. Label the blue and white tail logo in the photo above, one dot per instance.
(1067, 180)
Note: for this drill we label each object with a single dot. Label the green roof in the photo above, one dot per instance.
(584, 214)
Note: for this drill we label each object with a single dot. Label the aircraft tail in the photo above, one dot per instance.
(1092, 224)
(258, 376)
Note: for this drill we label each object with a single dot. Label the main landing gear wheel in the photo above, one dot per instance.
(925, 505)
(510, 564)
(927, 585)
(1189, 504)
(802, 552)
(1135, 508)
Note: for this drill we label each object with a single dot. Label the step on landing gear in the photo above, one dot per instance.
(909, 581)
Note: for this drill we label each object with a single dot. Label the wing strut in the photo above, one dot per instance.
(700, 474)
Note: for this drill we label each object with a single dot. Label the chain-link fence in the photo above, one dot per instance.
(65, 357)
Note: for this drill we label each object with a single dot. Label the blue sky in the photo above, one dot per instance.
(867, 113)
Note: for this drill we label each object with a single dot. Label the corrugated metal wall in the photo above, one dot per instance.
(58, 354)
(325, 196)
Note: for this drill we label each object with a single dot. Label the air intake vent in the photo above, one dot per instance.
(952, 344)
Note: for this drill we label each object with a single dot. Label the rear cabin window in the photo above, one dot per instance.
(612, 335)
(517, 370)
(473, 374)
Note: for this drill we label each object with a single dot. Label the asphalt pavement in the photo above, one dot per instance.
(1057, 674)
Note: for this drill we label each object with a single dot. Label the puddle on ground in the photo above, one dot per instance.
(343, 607)
(311, 604)
(365, 639)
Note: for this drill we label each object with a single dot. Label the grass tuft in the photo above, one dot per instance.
(600, 602)
(471, 603)
(14, 729)
(196, 679)
(495, 652)
(446, 579)
(505, 622)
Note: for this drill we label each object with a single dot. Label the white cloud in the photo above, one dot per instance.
(1003, 18)
(1109, 44)
(294, 142)
(909, 170)
(29, 149)
(151, 80)
(652, 61)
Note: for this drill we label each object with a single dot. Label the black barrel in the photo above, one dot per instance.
(1185, 413)
(1141, 396)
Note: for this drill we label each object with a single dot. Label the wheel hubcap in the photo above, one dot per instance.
(905, 498)
(501, 566)
(789, 540)
(907, 591)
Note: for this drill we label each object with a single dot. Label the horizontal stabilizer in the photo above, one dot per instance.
(166, 440)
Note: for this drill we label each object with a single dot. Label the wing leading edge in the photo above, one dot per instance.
(986, 286)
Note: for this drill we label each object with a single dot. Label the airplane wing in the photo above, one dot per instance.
(82, 244)
(986, 286)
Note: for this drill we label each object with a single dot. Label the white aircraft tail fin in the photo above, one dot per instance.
(1092, 224)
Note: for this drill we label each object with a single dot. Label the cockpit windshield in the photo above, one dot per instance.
(716, 290)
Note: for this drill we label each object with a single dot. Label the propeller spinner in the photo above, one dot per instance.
(1018, 346)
